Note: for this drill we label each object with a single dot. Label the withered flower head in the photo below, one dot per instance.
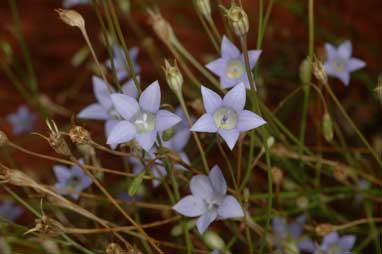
(161, 26)
(56, 140)
(71, 17)
(79, 135)
(238, 19)
(47, 226)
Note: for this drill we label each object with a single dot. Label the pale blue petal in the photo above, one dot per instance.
(345, 50)
(94, 111)
(248, 120)
(150, 98)
(329, 68)
(331, 52)
(205, 220)
(235, 98)
(130, 89)
(347, 242)
(122, 132)
(201, 187)
(228, 49)
(296, 227)
(329, 239)
(125, 105)
(229, 136)
(190, 206)
(253, 57)
(158, 172)
(109, 125)
(165, 120)
(218, 66)
(344, 77)
(205, 124)
(279, 228)
(355, 64)
(306, 245)
(180, 140)
(211, 100)
(230, 208)
(102, 92)
(62, 173)
(218, 181)
(146, 140)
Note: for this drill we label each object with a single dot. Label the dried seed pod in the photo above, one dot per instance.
(174, 77)
(47, 226)
(72, 18)
(277, 175)
(320, 72)
(340, 173)
(79, 135)
(161, 26)
(56, 140)
(324, 229)
(238, 20)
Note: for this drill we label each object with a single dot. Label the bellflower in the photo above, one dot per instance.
(120, 61)
(71, 181)
(103, 109)
(230, 67)
(334, 244)
(157, 169)
(227, 117)
(22, 121)
(142, 120)
(71, 3)
(10, 211)
(287, 237)
(209, 200)
(180, 136)
(340, 63)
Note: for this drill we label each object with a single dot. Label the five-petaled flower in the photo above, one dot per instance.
(334, 244)
(120, 61)
(143, 119)
(340, 63)
(103, 109)
(10, 211)
(226, 117)
(22, 121)
(287, 237)
(230, 67)
(209, 200)
(71, 181)
(71, 3)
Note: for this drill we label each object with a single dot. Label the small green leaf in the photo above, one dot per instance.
(136, 183)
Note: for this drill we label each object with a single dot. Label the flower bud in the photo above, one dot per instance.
(3, 139)
(71, 18)
(327, 127)
(238, 20)
(213, 240)
(277, 175)
(174, 77)
(79, 135)
(340, 173)
(324, 229)
(270, 142)
(305, 71)
(204, 7)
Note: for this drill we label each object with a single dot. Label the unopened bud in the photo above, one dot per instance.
(71, 17)
(277, 175)
(305, 71)
(174, 77)
(320, 72)
(161, 26)
(79, 135)
(238, 20)
(327, 127)
(213, 240)
(3, 139)
(204, 7)
(113, 248)
(324, 229)
(270, 142)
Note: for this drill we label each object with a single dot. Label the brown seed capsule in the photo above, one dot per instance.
(324, 229)
(340, 173)
(79, 135)
(320, 72)
(72, 18)
(161, 26)
(238, 20)
(47, 226)
(56, 140)
(3, 139)
(277, 175)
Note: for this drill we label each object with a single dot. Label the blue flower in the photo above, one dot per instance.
(142, 120)
(103, 109)
(71, 181)
(230, 67)
(120, 61)
(22, 121)
(227, 117)
(334, 244)
(339, 62)
(209, 200)
(9, 211)
(71, 3)
(287, 237)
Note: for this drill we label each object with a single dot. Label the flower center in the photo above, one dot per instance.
(235, 69)
(144, 121)
(73, 182)
(339, 65)
(225, 118)
(334, 249)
